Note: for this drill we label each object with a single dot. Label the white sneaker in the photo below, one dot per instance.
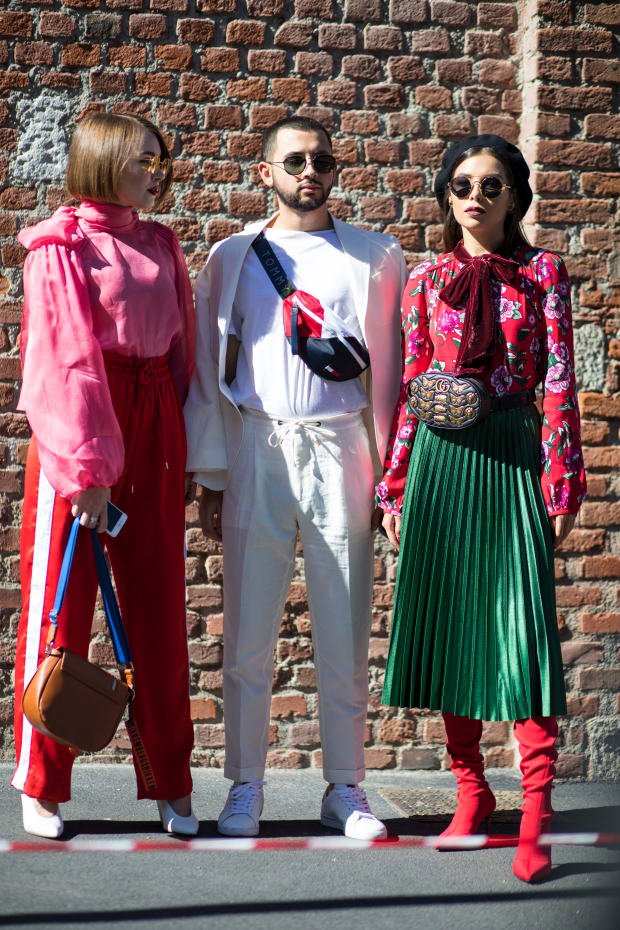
(49, 826)
(242, 810)
(346, 808)
(175, 823)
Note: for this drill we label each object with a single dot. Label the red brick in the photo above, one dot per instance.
(292, 90)
(423, 209)
(216, 6)
(254, 88)
(223, 117)
(404, 124)
(600, 623)
(455, 70)
(384, 96)
(569, 765)
(406, 69)
(397, 731)
(196, 87)
(556, 11)
(107, 82)
(18, 198)
(362, 11)
(433, 98)
(8, 140)
(197, 31)
(294, 35)
(426, 152)
(361, 67)
(574, 40)
(220, 172)
(362, 122)
(264, 116)
(16, 24)
(497, 16)
(408, 236)
(345, 150)
(305, 734)
(319, 64)
(582, 706)
(601, 566)
(383, 38)
(551, 182)
(10, 80)
(269, 61)
(61, 79)
(358, 179)
(242, 203)
(450, 13)
(203, 708)
(551, 68)
(563, 211)
(127, 57)
(245, 32)
(384, 152)
(419, 759)
(599, 405)
(209, 735)
(576, 98)
(430, 40)
(480, 44)
(265, 8)
(177, 114)
(379, 758)
(338, 93)
(147, 26)
(434, 730)
(338, 37)
(597, 70)
(596, 240)
(286, 759)
(480, 100)
(200, 143)
(579, 653)
(575, 595)
(503, 73)
(606, 13)
(323, 115)
(452, 125)
(174, 57)
(13, 256)
(405, 181)
(553, 124)
(606, 127)
(244, 145)
(288, 705)
(317, 9)
(408, 12)
(499, 758)
(152, 85)
(33, 53)
(594, 679)
(221, 229)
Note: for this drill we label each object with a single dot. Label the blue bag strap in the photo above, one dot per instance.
(110, 604)
(112, 612)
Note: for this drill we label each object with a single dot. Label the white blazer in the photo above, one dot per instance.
(377, 272)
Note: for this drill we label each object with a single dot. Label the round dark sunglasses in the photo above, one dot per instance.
(491, 186)
(296, 164)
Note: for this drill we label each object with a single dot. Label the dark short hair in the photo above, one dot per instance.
(300, 123)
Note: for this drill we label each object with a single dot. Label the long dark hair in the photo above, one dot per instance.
(513, 231)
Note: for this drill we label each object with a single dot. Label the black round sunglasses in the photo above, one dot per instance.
(491, 186)
(295, 164)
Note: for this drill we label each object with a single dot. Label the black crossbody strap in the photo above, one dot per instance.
(277, 274)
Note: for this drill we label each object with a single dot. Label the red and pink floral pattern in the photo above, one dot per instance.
(535, 346)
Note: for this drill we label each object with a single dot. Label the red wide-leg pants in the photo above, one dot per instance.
(148, 562)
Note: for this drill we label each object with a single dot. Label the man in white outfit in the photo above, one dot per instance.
(279, 448)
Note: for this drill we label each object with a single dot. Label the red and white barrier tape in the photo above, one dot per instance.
(329, 843)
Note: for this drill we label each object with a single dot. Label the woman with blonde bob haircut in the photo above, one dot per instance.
(107, 354)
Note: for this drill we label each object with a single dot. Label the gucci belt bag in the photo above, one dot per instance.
(447, 401)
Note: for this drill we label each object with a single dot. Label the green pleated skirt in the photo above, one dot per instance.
(474, 630)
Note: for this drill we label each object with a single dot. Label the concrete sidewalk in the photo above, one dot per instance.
(386, 888)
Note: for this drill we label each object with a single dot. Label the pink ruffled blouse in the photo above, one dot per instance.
(96, 277)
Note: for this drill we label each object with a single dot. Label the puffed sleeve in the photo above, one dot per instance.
(417, 351)
(65, 391)
(563, 474)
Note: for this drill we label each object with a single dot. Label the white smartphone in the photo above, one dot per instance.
(116, 519)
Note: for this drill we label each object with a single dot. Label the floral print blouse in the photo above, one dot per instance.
(535, 345)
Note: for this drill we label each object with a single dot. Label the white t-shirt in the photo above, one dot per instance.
(269, 377)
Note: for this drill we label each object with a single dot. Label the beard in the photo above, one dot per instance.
(303, 201)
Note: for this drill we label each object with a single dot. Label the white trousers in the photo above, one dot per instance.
(315, 476)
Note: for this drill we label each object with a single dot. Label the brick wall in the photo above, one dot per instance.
(394, 80)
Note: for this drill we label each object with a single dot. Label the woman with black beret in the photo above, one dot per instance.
(486, 487)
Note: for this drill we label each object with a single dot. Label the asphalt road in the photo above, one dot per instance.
(282, 889)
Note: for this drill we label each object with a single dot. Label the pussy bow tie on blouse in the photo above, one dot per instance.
(473, 282)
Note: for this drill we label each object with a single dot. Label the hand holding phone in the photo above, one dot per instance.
(116, 519)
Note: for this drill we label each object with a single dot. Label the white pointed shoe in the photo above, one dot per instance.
(346, 808)
(50, 827)
(242, 810)
(174, 823)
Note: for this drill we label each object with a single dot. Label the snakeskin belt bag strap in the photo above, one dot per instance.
(447, 401)
(69, 699)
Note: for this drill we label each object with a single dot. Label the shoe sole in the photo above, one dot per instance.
(232, 832)
(337, 825)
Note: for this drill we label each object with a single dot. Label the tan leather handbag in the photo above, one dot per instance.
(69, 699)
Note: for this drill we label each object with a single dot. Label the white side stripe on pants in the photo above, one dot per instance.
(40, 559)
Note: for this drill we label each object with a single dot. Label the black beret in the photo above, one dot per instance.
(506, 150)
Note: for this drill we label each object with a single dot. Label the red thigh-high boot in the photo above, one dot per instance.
(536, 738)
(475, 799)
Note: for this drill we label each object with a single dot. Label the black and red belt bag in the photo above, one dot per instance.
(446, 401)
